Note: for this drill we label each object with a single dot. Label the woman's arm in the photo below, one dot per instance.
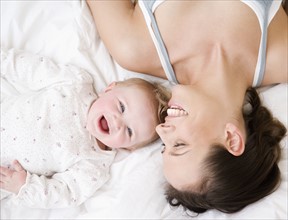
(113, 20)
(115, 24)
(122, 28)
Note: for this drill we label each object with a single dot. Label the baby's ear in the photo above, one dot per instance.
(108, 88)
(130, 149)
(234, 140)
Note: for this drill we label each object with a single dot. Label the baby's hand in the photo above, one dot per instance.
(12, 179)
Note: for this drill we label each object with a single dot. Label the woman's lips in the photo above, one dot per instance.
(176, 111)
(104, 125)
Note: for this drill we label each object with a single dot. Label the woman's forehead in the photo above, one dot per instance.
(182, 171)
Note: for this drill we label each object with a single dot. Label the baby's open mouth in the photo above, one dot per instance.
(103, 124)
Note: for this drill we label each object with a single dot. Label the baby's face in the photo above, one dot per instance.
(122, 117)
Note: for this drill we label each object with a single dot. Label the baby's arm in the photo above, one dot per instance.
(12, 179)
(122, 28)
(64, 189)
(25, 72)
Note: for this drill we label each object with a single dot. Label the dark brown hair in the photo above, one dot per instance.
(230, 183)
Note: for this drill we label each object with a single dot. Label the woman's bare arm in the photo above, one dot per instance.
(114, 22)
(123, 30)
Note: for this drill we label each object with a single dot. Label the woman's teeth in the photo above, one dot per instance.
(176, 112)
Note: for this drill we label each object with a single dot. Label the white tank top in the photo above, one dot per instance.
(265, 10)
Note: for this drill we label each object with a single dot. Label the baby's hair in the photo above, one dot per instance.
(230, 183)
(162, 95)
(159, 96)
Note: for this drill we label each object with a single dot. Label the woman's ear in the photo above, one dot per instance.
(234, 140)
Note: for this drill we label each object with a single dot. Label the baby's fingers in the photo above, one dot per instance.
(5, 175)
(5, 171)
(2, 185)
(17, 166)
(4, 178)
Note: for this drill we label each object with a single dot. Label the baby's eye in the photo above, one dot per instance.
(129, 131)
(122, 107)
(163, 148)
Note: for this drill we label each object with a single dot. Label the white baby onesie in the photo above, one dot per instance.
(44, 107)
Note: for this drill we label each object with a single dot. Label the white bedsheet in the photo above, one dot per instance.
(65, 32)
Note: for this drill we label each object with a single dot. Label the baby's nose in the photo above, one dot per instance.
(118, 123)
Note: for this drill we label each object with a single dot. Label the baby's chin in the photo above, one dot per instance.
(111, 146)
(91, 129)
(101, 144)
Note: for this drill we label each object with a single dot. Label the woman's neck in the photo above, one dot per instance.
(219, 61)
(224, 80)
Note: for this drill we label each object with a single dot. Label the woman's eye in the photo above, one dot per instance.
(178, 145)
(122, 107)
(129, 131)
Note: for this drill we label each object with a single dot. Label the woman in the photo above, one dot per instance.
(218, 155)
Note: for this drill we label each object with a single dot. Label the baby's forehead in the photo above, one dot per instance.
(139, 96)
(136, 89)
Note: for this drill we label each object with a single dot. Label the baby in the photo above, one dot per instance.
(58, 137)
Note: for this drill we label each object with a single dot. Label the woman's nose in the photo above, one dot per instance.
(163, 129)
(166, 133)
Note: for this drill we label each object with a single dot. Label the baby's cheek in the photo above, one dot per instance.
(119, 141)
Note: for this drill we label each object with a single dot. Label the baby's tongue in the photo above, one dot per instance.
(104, 124)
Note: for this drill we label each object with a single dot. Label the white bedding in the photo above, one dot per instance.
(64, 31)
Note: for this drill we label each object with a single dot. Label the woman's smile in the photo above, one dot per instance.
(176, 111)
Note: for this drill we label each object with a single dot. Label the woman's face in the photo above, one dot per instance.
(193, 124)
